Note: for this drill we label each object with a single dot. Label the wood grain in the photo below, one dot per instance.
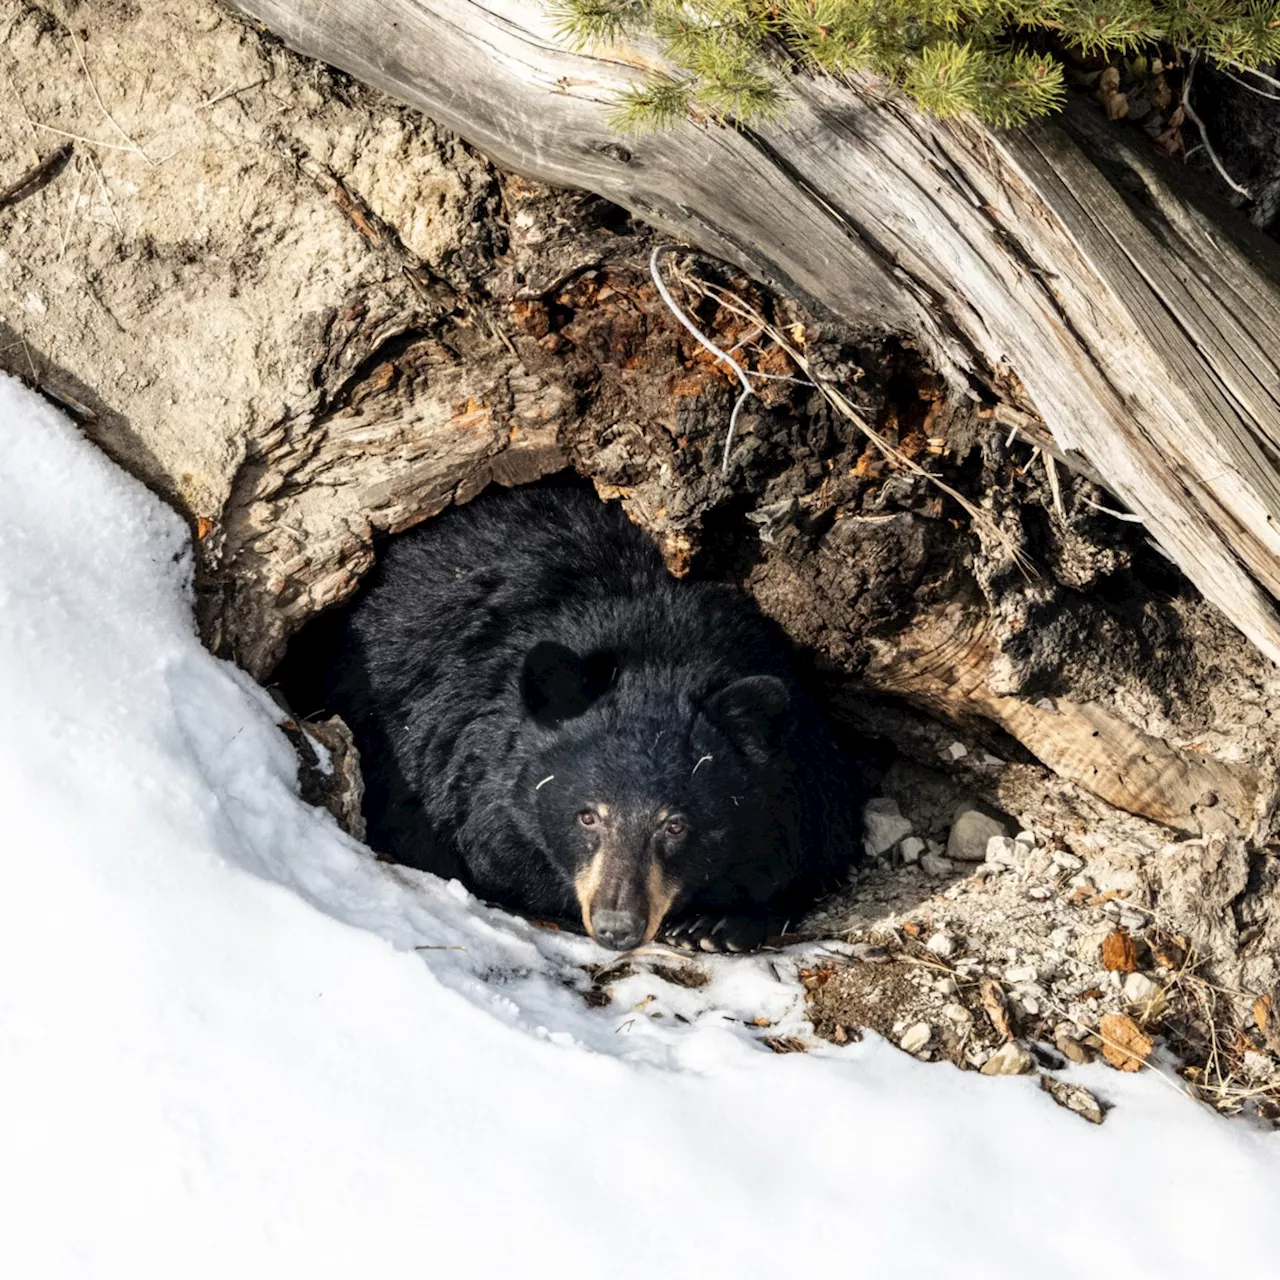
(1145, 332)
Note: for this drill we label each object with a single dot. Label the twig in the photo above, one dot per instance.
(1110, 511)
(78, 137)
(844, 406)
(102, 106)
(38, 176)
(1204, 133)
(1051, 470)
(106, 191)
(1244, 84)
(1255, 71)
(665, 294)
(230, 93)
(64, 234)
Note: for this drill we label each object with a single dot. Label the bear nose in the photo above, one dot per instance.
(617, 930)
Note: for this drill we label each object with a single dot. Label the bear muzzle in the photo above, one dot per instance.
(618, 930)
(624, 900)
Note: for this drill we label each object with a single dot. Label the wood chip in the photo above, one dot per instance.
(1074, 1097)
(1262, 1012)
(1124, 1045)
(996, 1007)
(786, 1044)
(1119, 952)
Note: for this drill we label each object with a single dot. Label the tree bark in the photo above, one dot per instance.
(1144, 334)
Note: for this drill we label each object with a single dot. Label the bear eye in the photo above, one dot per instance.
(675, 827)
(588, 818)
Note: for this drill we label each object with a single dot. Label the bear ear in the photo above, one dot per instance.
(558, 684)
(751, 712)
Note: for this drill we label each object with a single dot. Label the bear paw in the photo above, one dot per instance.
(717, 933)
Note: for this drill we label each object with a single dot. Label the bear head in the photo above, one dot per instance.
(646, 785)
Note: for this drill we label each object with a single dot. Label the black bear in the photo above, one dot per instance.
(545, 712)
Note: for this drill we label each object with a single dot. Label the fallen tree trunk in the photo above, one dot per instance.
(1059, 262)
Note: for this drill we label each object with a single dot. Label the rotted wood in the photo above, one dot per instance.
(942, 662)
(1063, 264)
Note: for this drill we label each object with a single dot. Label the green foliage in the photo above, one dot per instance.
(954, 57)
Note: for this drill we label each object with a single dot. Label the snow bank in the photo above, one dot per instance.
(221, 1055)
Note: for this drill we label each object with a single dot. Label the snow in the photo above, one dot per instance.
(221, 1054)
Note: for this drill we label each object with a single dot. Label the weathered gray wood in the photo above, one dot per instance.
(1144, 337)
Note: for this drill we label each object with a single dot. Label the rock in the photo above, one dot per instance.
(916, 1038)
(869, 953)
(1074, 1097)
(883, 826)
(942, 945)
(1138, 988)
(947, 986)
(1040, 893)
(1009, 1059)
(1027, 838)
(910, 850)
(956, 1013)
(956, 751)
(1003, 852)
(933, 865)
(1066, 1044)
(1021, 973)
(1067, 861)
(970, 832)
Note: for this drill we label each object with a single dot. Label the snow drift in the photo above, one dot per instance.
(221, 1053)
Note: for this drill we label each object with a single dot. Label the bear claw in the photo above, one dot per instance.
(731, 934)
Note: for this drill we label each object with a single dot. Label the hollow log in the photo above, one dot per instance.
(309, 318)
(1144, 334)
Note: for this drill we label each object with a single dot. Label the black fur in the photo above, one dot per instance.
(526, 681)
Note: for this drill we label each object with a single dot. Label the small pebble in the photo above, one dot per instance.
(869, 953)
(956, 751)
(942, 945)
(1070, 1047)
(956, 1013)
(933, 865)
(910, 850)
(883, 826)
(1026, 837)
(1003, 851)
(1067, 861)
(916, 1038)
(1139, 988)
(1039, 893)
(1021, 973)
(1010, 1059)
(947, 986)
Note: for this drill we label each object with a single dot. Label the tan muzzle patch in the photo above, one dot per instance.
(608, 873)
